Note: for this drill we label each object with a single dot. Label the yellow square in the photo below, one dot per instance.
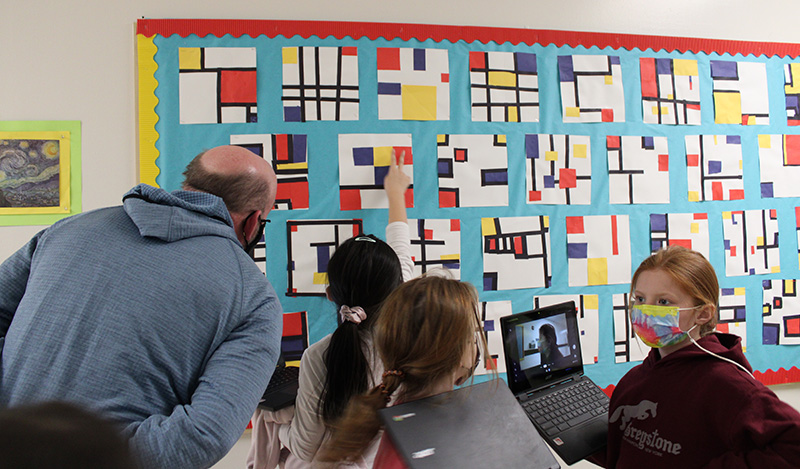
(579, 150)
(727, 215)
(685, 67)
(573, 111)
(546, 221)
(290, 55)
(513, 116)
(597, 268)
(591, 302)
(419, 102)
(764, 141)
(382, 156)
(320, 278)
(760, 241)
(728, 108)
(751, 120)
(488, 227)
(670, 96)
(449, 257)
(441, 138)
(551, 156)
(664, 110)
(609, 80)
(499, 78)
(501, 138)
(776, 269)
(738, 291)
(694, 227)
(788, 286)
(694, 196)
(654, 110)
(765, 310)
(740, 164)
(189, 58)
(794, 68)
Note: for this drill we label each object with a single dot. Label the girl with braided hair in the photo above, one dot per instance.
(427, 336)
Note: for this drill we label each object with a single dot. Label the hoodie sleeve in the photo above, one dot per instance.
(14, 273)
(764, 433)
(200, 433)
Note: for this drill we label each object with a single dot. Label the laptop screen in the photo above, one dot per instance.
(541, 346)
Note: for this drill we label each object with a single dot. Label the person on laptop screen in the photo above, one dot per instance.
(549, 348)
(693, 402)
(427, 337)
(361, 273)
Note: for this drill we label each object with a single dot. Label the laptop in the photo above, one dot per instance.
(472, 427)
(544, 367)
(283, 385)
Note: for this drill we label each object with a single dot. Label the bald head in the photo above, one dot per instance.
(245, 181)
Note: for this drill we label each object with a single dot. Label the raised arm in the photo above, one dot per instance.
(395, 184)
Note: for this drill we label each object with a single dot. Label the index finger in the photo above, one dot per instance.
(402, 160)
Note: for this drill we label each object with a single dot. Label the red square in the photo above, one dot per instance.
(791, 151)
(534, 196)
(388, 58)
(409, 198)
(292, 324)
(695, 107)
(647, 67)
(737, 194)
(518, 245)
(608, 115)
(716, 190)
(447, 199)
(793, 326)
(492, 244)
(733, 251)
(357, 222)
(350, 199)
(793, 122)
(477, 60)
(460, 155)
(445, 78)
(723, 327)
(409, 158)
(297, 192)
(797, 216)
(773, 214)
(612, 142)
(567, 178)
(745, 118)
(701, 216)
(663, 162)
(574, 225)
(350, 51)
(238, 86)
(692, 160)
(687, 243)
(455, 224)
(281, 147)
(428, 234)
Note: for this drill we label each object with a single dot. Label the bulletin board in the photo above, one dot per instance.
(545, 165)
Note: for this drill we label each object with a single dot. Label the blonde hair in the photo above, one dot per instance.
(693, 274)
(423, 332)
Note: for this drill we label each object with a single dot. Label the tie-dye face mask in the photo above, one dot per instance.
(658, 326)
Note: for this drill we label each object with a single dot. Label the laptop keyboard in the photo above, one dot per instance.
(281, 376)
(561, 410)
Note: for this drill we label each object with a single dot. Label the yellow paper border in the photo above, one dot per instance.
(64, 143)
(148, 153)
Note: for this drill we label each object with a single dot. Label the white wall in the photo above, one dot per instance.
(75, 60)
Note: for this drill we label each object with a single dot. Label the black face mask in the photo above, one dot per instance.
(251, 245)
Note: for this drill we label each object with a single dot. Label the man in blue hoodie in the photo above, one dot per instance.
(151, 313)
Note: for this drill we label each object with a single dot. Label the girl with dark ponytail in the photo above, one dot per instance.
(362, 272)
(427, 335)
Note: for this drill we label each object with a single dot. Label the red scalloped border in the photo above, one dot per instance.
(357, 30)
(768, 378)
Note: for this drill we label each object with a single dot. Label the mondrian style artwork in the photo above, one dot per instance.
(558, 169)
(217, 85)
(732, 313)
(670, 91)
(413, 84)
(598, 250)
(791, 89)
(294, 340)
(740, 92)
(591, 88)
(436, 244)
(638, 170)
(364, 161)
(588, 313)
(751, 242)
(490, 313)
(472, 170)
(627, 346)
(504, 86)
(714, 167)
(311, 243)
(689, 230)
(781, 313)
(797, 229)
(288, 156)
(320, 84)
(779, 161)
(516, 253)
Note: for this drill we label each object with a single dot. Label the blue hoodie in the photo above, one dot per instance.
(150, 313)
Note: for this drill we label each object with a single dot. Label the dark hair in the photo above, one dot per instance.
(60, 435)
(362, 272)
(549, 333)
(241, 192)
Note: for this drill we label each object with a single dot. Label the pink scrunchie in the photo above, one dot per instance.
(356, 314)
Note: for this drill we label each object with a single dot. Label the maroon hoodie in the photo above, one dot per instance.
(691, 409)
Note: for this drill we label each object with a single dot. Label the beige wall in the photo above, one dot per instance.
(74, 60)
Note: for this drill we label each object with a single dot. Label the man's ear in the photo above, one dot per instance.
(251, 223)
(328, 293)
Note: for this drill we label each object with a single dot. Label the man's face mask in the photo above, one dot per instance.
(251, 245)
(658, 326)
